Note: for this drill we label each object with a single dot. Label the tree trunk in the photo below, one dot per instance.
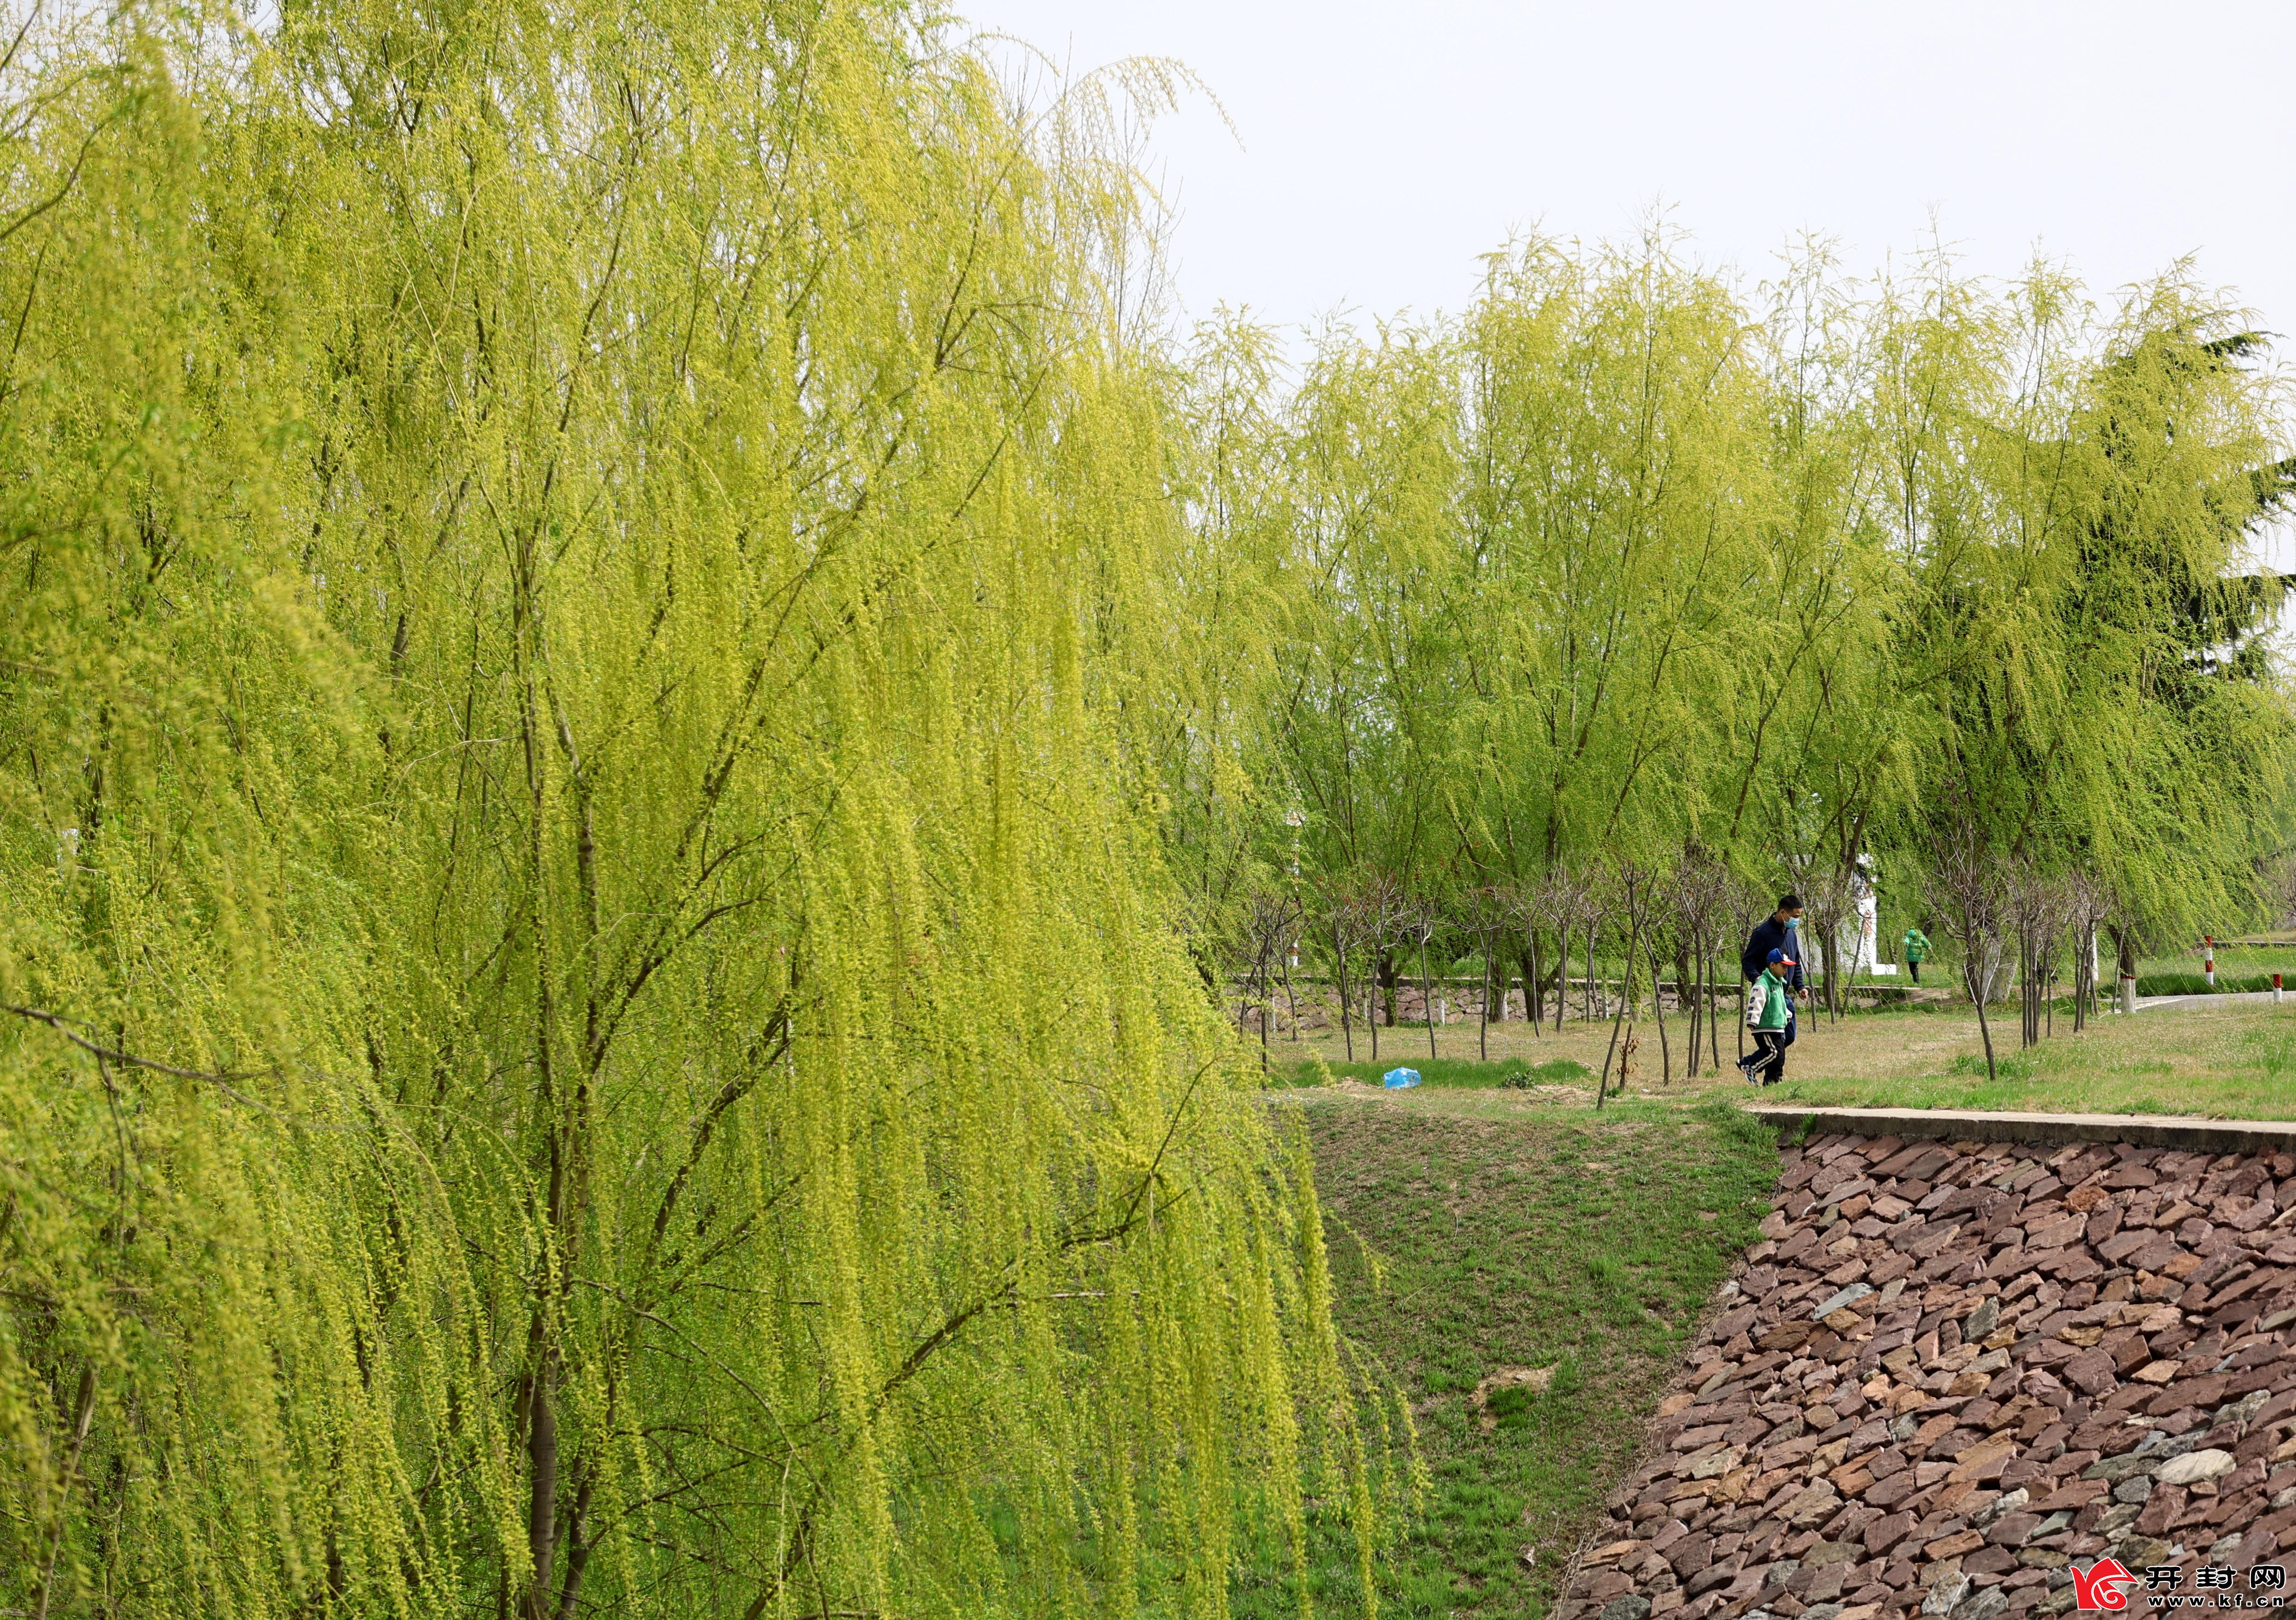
(1339, 970)
(1370, 996)
(1601, 1086)
(1427, 998)
(1483, 1027)
(1695, 974)
(1685, 993)
(1267, 1006)
(1976, 977)
(1658, 1009)
(2028, 994)
(1534, 1003)
(1713, 1018)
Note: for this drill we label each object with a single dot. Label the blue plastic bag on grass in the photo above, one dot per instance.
(1395, 1079)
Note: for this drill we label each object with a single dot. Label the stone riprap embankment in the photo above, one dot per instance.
(1951, 1370)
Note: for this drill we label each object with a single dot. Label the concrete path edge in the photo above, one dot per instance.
(1953, 1124)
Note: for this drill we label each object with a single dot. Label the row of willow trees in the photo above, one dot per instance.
(644, 718)
(1630, 572)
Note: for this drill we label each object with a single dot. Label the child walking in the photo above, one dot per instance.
(1769, 1006)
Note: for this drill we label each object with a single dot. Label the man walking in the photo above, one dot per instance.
(1917, 950)
(1770, 1012)
(1774, 940)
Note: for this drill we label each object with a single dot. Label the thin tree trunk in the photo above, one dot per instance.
(1267, 1006)
(1371, 1009)
(1339, 959)
(1601, 1086)
(1978, 988)
(1694, 973)
(1427, 998)
(1483, 1027)
(1658, 1009)
(1290, 997)
(2023, 991)
(1713, 1015)
(1686, 1001)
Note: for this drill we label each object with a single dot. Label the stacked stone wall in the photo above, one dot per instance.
(1950, 1372)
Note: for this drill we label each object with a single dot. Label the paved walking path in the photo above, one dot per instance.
(2146, 1001)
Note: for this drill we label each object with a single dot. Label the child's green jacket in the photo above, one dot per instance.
(1770, 1004)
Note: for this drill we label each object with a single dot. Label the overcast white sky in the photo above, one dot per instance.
(1383, 147)
(1379, 149)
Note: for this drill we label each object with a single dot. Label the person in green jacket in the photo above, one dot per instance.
(1917, 950)
(1769, 1008)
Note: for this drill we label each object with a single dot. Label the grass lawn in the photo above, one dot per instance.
(2226, 1059)
(2230, 1059)
(1474, 1234)
(1510, 1072)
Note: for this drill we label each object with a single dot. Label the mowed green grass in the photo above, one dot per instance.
(1462, 1072)
(1467, 1242)
(2226, 1059)
(2222, 1057)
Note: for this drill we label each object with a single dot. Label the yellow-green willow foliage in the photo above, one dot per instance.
(1629, 560)
(2075, 629)
(1618, 505)
(576, 585)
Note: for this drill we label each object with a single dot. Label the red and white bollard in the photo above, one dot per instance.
(2275, 989)
(2208, 961)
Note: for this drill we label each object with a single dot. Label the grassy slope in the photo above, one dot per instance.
(1512, 1236)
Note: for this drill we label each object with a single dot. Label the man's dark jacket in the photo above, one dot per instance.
(1770, 935)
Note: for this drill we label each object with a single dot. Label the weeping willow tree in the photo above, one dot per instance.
(2078, 634)
(1617, 551)
(594, 1020)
